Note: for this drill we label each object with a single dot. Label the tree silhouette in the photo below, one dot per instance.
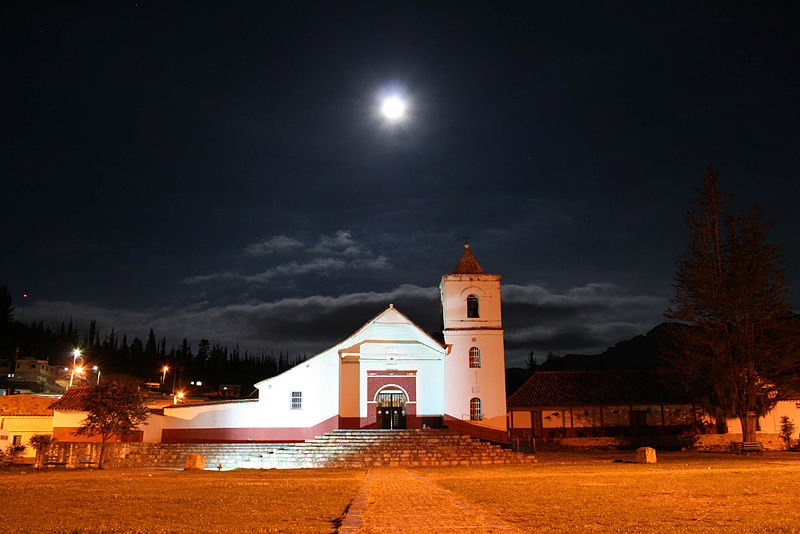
(737, 343)
(115, 408)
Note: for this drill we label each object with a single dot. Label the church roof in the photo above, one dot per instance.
(587, 388)
(468, 264)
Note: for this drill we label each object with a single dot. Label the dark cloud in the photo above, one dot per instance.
(278, 243)
(330, 256)
(585, 319)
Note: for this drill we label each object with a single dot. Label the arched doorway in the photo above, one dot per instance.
(390, 404)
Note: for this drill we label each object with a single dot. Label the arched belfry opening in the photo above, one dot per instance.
(390, 404)
(473, 312)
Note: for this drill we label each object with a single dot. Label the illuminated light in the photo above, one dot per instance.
(180, 394)
(393, 108)
(94, 368)
(79, 369)
(199, 383)
(165, 369)
(76, 353)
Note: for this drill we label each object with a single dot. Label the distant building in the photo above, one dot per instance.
(33, 375)
(562, 405)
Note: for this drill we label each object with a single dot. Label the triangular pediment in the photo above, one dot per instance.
(390, 326)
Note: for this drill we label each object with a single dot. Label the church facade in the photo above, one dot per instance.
(389, 374)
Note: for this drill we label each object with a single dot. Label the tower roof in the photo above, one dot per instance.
(468, 264)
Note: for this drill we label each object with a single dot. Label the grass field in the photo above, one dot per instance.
(691, 492)
(684, 492)
(144, 500)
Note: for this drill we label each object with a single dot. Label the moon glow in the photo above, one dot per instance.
(393, 108)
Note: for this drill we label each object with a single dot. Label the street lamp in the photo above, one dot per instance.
(75, 367)
(97, 370)
(164, 374)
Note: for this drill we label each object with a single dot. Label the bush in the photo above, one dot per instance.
(787, 429)
(11, 454)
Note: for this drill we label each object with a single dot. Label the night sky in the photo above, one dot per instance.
(220, 170)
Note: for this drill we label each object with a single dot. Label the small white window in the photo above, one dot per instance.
(475, 409)
(474, 357)
(297, 400)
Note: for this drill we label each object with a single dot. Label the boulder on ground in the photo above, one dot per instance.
(194, 461)
(645, 455)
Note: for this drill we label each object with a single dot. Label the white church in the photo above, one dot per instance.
(389, 374)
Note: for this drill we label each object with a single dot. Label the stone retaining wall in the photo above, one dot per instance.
(77, 455)
(707, 442)
(722, 442)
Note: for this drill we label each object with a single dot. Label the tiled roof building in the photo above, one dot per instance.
(587, 388)
(74, 400)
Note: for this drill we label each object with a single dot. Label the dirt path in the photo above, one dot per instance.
(399, 500)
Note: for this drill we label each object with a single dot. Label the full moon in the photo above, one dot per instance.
(393, 108)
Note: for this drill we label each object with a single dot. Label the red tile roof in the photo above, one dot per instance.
(73, 400)
(587, 388)
(468, 264)
(25, 405)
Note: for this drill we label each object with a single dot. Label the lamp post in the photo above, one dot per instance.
(97, 370)
(164, 374)
(75, 368)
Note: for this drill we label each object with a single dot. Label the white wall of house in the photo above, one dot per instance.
(771, 422)
(20, 428)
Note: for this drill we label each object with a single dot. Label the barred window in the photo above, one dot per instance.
(474, 357)
(297, 400)
(475, 409)
(472, 306)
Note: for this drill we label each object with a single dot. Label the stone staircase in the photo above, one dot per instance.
(339, 448)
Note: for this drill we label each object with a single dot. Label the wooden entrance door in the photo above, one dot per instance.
(536, 423)
(391, 407)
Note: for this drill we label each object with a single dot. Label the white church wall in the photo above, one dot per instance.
(317, 381)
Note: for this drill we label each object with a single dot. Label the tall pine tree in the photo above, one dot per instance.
(736, 344)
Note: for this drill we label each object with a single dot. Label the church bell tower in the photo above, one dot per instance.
(475, 385)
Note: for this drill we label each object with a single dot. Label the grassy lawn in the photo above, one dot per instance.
(682, 493)
(140, 500)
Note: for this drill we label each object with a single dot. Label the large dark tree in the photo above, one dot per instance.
(737, 344)
(115, 408)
